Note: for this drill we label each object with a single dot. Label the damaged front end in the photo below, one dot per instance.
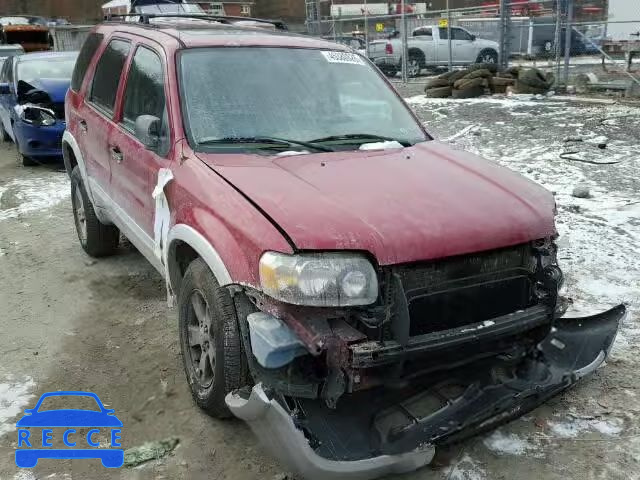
(450, 348)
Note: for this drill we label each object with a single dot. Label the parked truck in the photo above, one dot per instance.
(428, 46)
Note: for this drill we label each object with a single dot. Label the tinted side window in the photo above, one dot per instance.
(107, 75)
(444, 34)
(459, 34)
(87, 52)
(144, 94)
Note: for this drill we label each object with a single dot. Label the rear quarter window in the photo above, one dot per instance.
(89, 49)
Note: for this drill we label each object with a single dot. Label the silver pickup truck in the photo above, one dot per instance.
(429, 47)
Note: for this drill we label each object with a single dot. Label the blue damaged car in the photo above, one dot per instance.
(32, 91)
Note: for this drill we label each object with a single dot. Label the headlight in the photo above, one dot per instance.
(319, 279)
(38, 116)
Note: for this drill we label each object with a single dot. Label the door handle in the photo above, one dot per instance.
(83, 126)
(116, 154)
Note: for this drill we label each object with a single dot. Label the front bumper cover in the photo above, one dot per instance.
(402, 427)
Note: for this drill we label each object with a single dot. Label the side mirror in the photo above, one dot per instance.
(147, 130)
(473, 38)
(5, 89)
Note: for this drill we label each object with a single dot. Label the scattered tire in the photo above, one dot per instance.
(458, 74)
(439, 92)
(465, 83)
(210, 341)
(438, 82)
(96, 239)
(534, 78)
(472, 92)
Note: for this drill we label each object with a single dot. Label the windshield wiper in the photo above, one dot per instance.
(361, 136)
(272, 141)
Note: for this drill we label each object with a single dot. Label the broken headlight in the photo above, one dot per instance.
(38, 116)
(319, 279)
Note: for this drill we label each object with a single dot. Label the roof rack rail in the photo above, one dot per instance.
(145, 18)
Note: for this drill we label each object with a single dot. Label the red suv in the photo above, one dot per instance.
(356, 291)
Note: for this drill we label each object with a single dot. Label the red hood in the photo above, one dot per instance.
(424, 202)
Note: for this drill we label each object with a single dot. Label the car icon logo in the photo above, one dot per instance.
(32, 447)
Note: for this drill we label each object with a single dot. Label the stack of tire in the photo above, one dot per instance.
(533, 81)
(467, 83)
(475, 80)
(504, 80)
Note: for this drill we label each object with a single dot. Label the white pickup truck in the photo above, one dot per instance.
(429, 47)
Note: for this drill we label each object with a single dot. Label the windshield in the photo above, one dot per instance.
(288, 93)
(170, 8)
(22, 21)
(49, 67)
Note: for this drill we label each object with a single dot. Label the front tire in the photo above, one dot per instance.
(96, 239)
(210, 340)
(4, 136)
(488, 57)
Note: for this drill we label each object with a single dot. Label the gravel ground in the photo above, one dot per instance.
(69, 322)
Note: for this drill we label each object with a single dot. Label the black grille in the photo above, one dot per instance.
(467, 289)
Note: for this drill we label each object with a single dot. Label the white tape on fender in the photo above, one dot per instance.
(343, 57)
(161, 224)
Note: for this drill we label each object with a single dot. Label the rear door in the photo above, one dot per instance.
(96, 116)
(423, 39)
(134, 167)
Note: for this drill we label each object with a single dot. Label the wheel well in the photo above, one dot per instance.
(70, 161)
(181, 255)
(415, 52)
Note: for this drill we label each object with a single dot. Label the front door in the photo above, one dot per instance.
(135, 166)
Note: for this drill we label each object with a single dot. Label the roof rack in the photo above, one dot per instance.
(145, 18)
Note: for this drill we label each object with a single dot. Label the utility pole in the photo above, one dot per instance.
(318, 17)
(567, 46)
(366, 29)
(405, 49)
(449, 37)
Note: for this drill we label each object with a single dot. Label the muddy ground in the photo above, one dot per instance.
(68, 322)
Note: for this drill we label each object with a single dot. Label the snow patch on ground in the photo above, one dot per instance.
(466, 469)
(509, 444)
(14, 397)
(25, 195)
(576, 426)
(25, 475)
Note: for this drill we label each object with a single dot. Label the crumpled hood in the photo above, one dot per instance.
(419, 203)
(55, 87)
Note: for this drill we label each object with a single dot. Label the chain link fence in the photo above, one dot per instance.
(590, 46)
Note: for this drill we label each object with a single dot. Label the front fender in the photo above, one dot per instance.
(198, 242)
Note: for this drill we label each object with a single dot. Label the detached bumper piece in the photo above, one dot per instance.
(395, 430)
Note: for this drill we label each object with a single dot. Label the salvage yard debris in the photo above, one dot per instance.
(481, 78)
(149, 451)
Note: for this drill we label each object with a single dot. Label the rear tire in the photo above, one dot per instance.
(209, 327)
(415, 64)
(96, 239)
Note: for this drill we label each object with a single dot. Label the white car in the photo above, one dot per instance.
(429, 47)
